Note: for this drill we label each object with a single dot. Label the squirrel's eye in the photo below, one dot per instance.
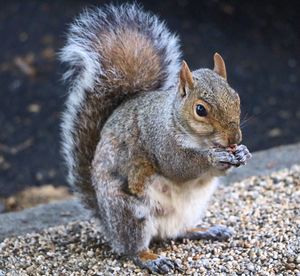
(200, 110)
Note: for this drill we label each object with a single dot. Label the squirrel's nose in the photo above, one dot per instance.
(235, 137)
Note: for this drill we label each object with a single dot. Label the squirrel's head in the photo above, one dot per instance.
(209, 107)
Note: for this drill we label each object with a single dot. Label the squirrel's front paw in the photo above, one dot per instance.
(155, 263)
(242, 154)
(222, 159)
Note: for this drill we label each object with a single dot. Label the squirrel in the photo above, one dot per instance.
(144, 138)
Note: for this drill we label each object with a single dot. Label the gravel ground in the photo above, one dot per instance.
(264, 213)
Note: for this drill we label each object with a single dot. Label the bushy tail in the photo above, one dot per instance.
(113, 53)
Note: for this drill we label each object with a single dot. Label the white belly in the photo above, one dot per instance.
(176, 209)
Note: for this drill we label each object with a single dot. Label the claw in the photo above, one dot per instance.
(220, 232)
(164, 268)
(178, 267)
(169, 263)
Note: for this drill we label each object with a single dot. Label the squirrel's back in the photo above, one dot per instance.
(113, 53)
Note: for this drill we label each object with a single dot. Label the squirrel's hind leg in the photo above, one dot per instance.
(126, 223)
(124, 219)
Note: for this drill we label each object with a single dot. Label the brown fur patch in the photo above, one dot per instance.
(130, 61)
(197, 229)
(138, 175)
(147, 255)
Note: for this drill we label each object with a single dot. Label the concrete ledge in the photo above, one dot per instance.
(49, 215)
(41, 217)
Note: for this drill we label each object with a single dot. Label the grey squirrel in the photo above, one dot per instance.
(144, 138)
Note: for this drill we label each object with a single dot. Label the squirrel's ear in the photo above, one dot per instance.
(219, 66)
(186, 79)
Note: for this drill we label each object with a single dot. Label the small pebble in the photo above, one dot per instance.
(250, 267)
(90, 254)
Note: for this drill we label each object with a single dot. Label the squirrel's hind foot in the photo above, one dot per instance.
(154, 263)
(215, 233)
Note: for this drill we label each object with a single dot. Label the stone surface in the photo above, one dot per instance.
(37, 218)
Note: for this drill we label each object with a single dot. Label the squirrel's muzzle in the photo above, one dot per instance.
(235, 136)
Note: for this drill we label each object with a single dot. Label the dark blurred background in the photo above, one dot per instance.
(259, 40)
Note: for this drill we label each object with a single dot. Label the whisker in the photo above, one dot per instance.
(246, 120)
